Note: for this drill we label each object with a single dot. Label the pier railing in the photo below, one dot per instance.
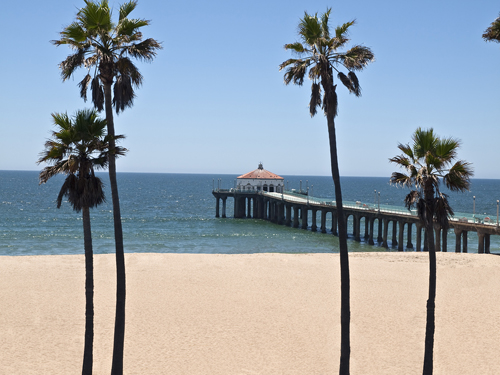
(457, 217)
(303, 197)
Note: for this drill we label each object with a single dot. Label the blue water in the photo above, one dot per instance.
(175, 213)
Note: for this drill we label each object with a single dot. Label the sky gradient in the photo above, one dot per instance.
(214, 101)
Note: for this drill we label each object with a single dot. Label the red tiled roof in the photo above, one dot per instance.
(261, 173)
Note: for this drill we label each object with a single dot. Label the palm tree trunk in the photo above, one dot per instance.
(345, 310)
(431, 301)
(119, 335)
(89, 294)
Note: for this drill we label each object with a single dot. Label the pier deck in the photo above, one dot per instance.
(293, 209)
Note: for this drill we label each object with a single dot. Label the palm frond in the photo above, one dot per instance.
(346, 81)
(91, 61)
(51, 171)
(401, 160)
(97, 94)
(355, 84)
(126, 9)
(310, 29)
(315, 72)
(407, 150)
(458, 176)
(442, 210)
(68, 186)
(71, 63)
(340, 39)
(145, 50)
(123, 93)
(62, 120)
(284, 64)
(325, 29)
(492, 33)
(93, 192)
(128, 27)
(126, 67)
(357, 58)
(315, 98)
(423, 141)
(411, 199)
(296, 72)
(421, 210)
(84, 84)
(73, 34)
(296, 47)
(95, 16)
(446, 149)
(401, 179)
(433, 162)
(341, 31)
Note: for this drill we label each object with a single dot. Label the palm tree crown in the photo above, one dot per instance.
(106, 47)
(78, 147)
(320, 52)
(428, 162)
(492, 33)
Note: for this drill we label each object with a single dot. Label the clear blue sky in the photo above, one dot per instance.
(214, 101)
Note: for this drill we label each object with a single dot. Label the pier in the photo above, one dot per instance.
(379, 223)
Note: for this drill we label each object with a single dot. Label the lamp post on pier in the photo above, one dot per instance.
(379, 201)
(497, 212)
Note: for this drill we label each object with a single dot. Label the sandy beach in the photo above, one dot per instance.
(251, 314)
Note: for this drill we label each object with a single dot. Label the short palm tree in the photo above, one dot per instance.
(319, 53)
(492, 33)
(76, 149)
(105, 49)
(428, 162)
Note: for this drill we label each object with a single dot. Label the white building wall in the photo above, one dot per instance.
(249, 184)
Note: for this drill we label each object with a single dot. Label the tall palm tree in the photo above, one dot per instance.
(321, 54)
(76, 149)
(492, 33)
(428, 162)
(105, 49)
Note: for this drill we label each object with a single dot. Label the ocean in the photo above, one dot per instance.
(175, 213)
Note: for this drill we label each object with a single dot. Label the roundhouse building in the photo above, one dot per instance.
(260, 180)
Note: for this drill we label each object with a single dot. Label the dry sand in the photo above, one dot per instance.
(251, 314)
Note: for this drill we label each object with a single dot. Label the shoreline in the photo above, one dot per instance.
(266, 313)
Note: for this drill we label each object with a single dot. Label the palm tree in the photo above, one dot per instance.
(320, 53)
(428, 162)
(492, 33)
(76, 149)
(105, 49)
